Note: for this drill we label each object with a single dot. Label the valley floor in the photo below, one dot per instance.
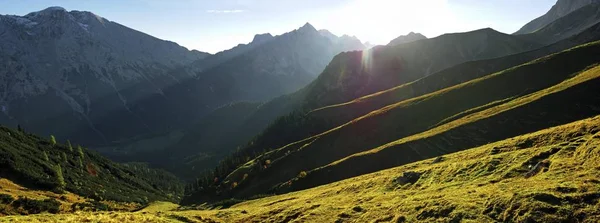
(548, 176)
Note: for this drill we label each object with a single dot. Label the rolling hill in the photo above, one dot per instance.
(429, 114)
(273, 112)
(496, 182)
(297, 126)
(478, 126)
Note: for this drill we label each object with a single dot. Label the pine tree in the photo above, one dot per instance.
(60, 180)
(80, 151)
(45, 155)
(80, 163)
(69, 146)
(52, 140)
(64, 156)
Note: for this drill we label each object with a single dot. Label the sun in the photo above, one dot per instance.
(380, 21)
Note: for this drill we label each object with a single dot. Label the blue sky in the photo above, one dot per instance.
(215, 25)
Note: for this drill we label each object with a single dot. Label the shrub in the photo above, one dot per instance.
(302, 174)
(226, 203)
(92, 205)
(91, 169)
(37, 206)
(6, 199)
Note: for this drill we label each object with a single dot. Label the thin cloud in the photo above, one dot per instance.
(225, 11)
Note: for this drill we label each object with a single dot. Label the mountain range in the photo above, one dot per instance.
(307, 126)
(335, 124)
(104, 83)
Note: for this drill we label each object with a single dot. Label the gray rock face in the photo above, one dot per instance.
(63, 71)
(560, 9)
(411, 37)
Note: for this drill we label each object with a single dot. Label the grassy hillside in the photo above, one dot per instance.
(355, 74)
(419, 114)
(293, 125)
(497, 182)
(343, 112)
(43, 164)
(298, 125)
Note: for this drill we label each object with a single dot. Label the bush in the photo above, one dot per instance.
(226, 203)
(302, 174)
(6, 199)
(37, 206)
(90, 206)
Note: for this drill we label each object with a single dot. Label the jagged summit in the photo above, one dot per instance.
(307, 27)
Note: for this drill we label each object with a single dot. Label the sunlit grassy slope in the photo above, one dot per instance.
(343, 112)
(295, 127)
(491, 183)
(547, 92)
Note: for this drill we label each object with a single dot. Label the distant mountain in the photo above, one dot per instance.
(72, 69)
(223, 56)
(262, 71)
(279, 66)
(354, 74)
(568, 25)
(560, 9)
(551, 91)
(299, 132)
(411, 37)
(105, 84)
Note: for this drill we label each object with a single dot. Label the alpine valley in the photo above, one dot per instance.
(103, 123)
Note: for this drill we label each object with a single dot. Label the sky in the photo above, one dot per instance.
(216, 25)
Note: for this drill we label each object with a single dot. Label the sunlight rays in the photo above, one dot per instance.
(382, 20)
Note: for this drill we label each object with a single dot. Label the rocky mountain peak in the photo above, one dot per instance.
(560, 9)
(307, 28)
